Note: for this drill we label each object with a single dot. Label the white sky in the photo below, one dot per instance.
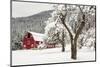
(22, 9)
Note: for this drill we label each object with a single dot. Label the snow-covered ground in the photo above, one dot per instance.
(53, 55)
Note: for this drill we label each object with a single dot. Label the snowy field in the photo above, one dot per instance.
(53, 55)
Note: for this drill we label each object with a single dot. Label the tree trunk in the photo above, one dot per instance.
(74, 41)
(63, 48)
(63, 42)
(74, 49)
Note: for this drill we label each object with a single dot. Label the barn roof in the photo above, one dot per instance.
(38, 36)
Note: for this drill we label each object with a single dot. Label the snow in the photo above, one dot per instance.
(61, 7)
(48, 26)
(38, 36)
(53, 55)
(52, 24)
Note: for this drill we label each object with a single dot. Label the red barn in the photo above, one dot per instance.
(32, 40)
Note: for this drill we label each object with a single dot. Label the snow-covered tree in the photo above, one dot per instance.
(55, 30)
(73, 19)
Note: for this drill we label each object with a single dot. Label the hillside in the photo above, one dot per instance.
(34, 22)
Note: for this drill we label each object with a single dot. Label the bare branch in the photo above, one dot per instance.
(82, 24)
(81, 10)
(79, 29)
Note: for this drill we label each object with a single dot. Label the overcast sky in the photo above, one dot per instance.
(22, 9)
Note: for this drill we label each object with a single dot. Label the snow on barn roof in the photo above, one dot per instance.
(38, 36)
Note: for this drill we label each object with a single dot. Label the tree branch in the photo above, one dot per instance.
(63, 19)
(79, 30)
(81, 25)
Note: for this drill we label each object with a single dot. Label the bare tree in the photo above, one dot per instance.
(73, 37)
